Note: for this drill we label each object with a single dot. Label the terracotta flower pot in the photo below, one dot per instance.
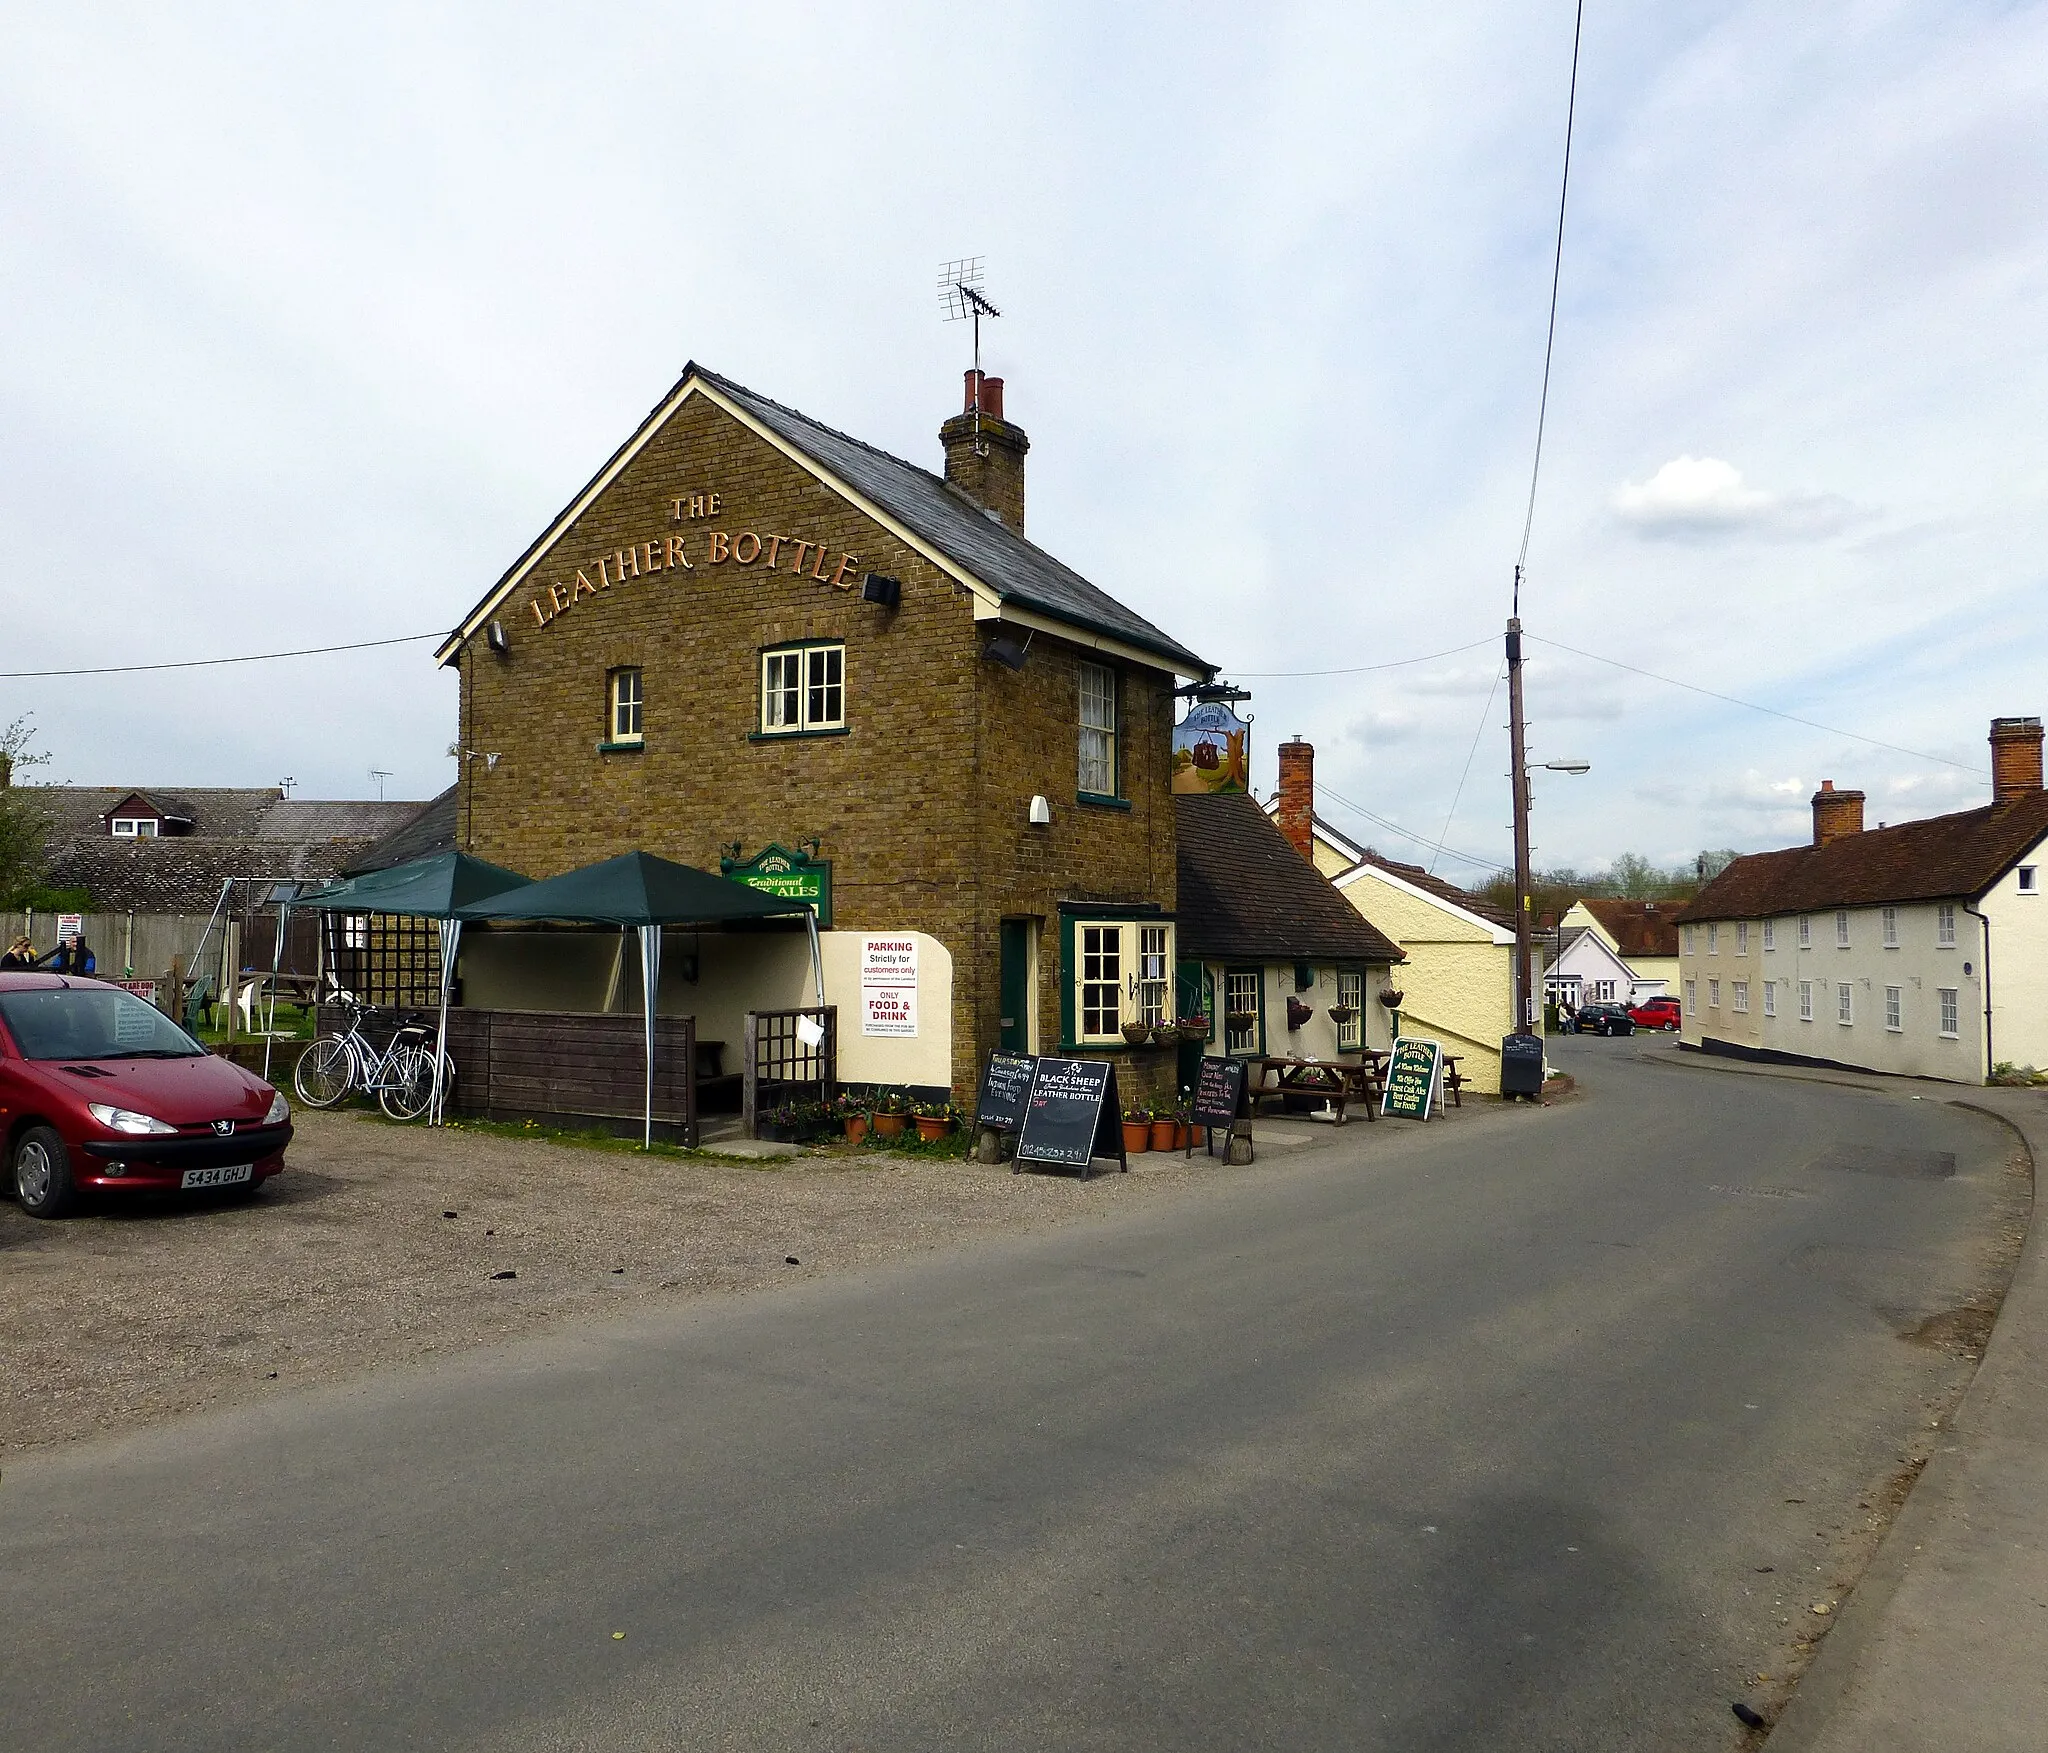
(1164, 1135)
(890, 1125)
(933, 1127)
(1137, 1136)
(856, 1128)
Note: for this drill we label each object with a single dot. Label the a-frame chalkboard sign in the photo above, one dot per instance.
(1071, 1116)
(1005, 1086)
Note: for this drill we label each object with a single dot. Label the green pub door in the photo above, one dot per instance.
(1015, 1023)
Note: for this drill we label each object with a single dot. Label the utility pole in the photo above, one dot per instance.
(1525, 1016)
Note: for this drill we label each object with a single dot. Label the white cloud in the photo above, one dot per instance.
(1700, 498)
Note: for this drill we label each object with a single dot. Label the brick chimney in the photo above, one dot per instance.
(1836, 814)
(1297, 812)
(986, 461)
(2015, 758)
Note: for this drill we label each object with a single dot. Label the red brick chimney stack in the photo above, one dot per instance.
(1836, 814)
(2015, 758)
(1297, 812)
(985, 453)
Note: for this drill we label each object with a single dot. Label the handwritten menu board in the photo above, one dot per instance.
(1071, 1115)
(1005, 1087)
(1415, 1075)
(1219, 1091)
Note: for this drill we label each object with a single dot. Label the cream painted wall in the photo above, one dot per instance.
(1458, 980)
(2019, 964)
(736, 972)
(1919, 966)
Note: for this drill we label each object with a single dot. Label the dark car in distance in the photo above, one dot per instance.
(102, 1093)
(1657, 1013)
(1605, 1019)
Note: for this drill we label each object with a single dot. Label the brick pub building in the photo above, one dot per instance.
(751, 635)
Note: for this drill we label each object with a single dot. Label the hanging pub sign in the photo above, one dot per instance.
(791, 876)
(1211, 750)
(1415, 1078)
(1071, 1115)
(1005, 1088)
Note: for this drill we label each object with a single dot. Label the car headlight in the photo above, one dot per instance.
(125, 1119)
(280, 1110)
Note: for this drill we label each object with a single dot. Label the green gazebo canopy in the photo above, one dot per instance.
(635, 888)
(428, 888)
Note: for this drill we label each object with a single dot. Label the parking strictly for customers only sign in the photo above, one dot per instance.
(888, 985)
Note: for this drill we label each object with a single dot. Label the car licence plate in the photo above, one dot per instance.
(221, 1177)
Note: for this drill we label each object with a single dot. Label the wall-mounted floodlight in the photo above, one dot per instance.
(1041, 813)
(874, 588)
(1006, 651)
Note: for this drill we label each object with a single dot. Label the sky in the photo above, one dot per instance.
(315, 317)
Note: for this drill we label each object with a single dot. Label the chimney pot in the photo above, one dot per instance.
(1836, 814)
(2015, 758)
(985, 453)
(1296, 815)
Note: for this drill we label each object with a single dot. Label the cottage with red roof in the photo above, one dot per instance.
(1920, 949)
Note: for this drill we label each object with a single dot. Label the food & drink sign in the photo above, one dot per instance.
(888, 985)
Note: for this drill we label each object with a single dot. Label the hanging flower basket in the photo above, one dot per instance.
(1343, 1013)
(1298, 1013)
(1241, 1019)
(1195, 1028)
(1391, 997)
(1137, 1034)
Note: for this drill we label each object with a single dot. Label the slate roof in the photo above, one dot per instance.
(1245, 894)
(231, 811)
(1639, 928)
(184, 875)
(1444, 891)
(1941, 858)
(320, 818)
(1017, 570)
(428, 831)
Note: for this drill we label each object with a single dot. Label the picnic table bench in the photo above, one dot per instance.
(1339, 1083)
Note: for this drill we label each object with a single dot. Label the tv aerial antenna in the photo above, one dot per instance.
(962, 300)
(380, 774)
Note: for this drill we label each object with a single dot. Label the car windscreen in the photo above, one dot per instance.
(77, 1022)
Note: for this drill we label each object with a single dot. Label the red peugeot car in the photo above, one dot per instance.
(101, 1093)
(1656, 1013)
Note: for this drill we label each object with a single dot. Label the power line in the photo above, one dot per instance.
(1485, 712)
(1359, 809)
(200, 663)
(1556, 276)
(1751, 705)
(1359, 670)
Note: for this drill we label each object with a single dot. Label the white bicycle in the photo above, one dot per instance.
(401, 1077)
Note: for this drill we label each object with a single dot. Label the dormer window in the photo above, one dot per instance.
(135, 827)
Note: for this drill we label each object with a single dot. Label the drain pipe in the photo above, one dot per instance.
(1985, 923)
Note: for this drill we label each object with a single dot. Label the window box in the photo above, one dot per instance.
(1099, 801)
(633, 748)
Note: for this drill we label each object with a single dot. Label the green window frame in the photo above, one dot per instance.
(1240, 985)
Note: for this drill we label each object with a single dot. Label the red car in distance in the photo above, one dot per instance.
(101, 1093)
(1656, 1013)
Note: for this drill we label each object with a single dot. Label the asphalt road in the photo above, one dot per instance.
(1471, 1435)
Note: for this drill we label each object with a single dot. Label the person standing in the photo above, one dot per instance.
(74, 956)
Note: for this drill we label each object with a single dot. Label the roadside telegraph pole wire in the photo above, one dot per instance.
(1485, 712)
(201, 663)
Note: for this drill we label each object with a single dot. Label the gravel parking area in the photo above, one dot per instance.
(350, 1260)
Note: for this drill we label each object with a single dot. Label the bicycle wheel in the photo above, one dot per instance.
(408, 1083)
(324, 1073)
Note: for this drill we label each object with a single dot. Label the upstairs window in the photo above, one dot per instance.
(1713, 940)
(1891, 928)
(1841, 928)
(1951, 1011)
(1894, 1008)
(2028, 886)
(1742, 937)
(803, 688)
(625, 721)
(135, 827)
(1805, 932)
(1770, 934)
(1945, 925)
(1742, 995)
(1844, 1004)
(1098, 731)
(1688, 940)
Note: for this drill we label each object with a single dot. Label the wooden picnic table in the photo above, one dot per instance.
(1335, 1081)
(1454, 1079)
